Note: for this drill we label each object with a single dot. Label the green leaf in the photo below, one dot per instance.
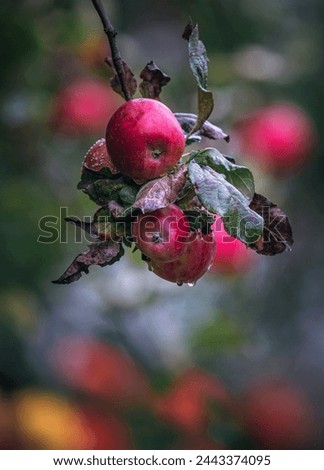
(103, 190)
(220, 197)
(198, 61)
(239, 176)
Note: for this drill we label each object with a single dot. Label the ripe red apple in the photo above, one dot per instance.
(186, 405)
(97, 158)
(195, 261)
(232, 255)
(278, 415)
(83, 107)
(279, 137)
(101, 370)
(144, 139)
(161, 235)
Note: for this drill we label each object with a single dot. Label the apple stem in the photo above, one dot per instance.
(116, 58)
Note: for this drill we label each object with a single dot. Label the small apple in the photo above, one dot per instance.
(232, 255)
(278, 415)
(83, 107)
(161, 235)
(186, 405)
(279, 137)
(144, 139)
(101, 370)
(195, 261)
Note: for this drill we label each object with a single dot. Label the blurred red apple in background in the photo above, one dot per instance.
(278, 416)
(232, 255)
(101, 370)
(83, 107)
(45, 420)
(279, 137)
(186, 405)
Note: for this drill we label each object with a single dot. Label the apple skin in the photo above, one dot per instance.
(161, 235)
(279, 137)
(83, 108)
(233, 256)
(144, 139)
(278, 415)
(192, 264)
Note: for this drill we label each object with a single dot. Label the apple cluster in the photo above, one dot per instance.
(144, 141)
(174, 207)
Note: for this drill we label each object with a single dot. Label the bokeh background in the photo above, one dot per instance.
(122, 359)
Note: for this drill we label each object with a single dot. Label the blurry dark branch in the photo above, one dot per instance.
(116, 58)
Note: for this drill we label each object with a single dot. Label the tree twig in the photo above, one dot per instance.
(116, 58)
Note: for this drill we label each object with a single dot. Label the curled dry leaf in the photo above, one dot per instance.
(161, 192)
(188, 120)
(100, 254)
(130, 80)
(153, 81)
(198, 61)
(277, 233)
(97, 158)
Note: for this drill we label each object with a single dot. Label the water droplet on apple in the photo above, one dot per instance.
(191, 284)
(179, 283)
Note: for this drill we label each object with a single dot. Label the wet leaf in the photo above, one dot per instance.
(198, 61)
(130, 80)
(220, 197)
(188, 120)
(153, 81)
(205, 108)
(103, 190)
(161, 192)
(104, 225)
(239, 176)
(100, 254)
(97, 159)
(277, 233)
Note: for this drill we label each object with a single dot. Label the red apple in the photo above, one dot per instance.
(279, 137)
(100, 370)
(83, 107)
(161, 234)
(195, 261)
(186, 405)
(278, 415)
(144, 139)
(232, 255)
